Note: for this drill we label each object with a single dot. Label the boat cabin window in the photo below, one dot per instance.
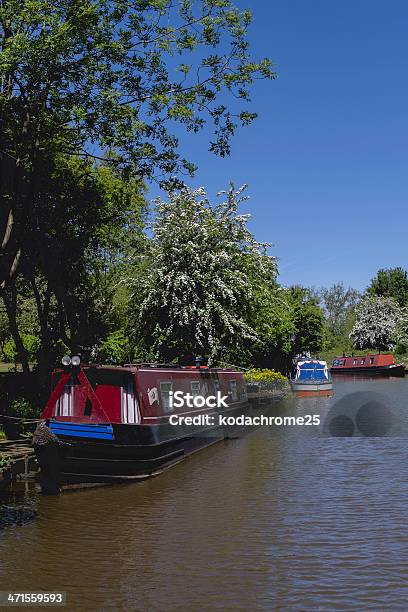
(355, 361)
(64, 405)
(195, 387)
(371, 360)
(209, 388)
(363, 361)
(234, 390)
(129, 405)
(102, 379)
(335, 362)
(165, 388)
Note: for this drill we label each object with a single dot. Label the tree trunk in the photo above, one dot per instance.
(10, 302)
(46, 354)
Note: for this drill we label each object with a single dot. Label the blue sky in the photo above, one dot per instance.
(326, 161)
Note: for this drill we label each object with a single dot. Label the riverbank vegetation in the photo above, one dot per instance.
(263, 375)
(190, 279)
(182, 279)
(93, 99)
(376, 320)
(90, 96)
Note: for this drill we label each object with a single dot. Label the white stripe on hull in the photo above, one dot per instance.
(312, 386)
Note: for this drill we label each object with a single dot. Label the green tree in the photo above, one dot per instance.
(272, 319)
(338, 303)
(68, 271)
(379, 323)
(392, 283)
(308, 321)
(22, 327)
(204, 267)
(103, 79)
(113, 349)
(287, 322)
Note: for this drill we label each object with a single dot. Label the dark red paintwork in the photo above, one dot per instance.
(89, 410)
(372, 363)
(105, 399)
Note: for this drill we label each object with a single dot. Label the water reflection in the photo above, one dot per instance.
(283, 518)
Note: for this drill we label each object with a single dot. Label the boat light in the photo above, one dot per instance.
(76, 360)
(66, 360)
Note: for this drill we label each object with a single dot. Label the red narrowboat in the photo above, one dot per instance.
(368, 364)
(116, 421)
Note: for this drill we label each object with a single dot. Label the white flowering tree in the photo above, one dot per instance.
(380, 323)
(203, 268)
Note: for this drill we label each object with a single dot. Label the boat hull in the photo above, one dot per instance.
(121, 453)
(388, 370)
(312, 387)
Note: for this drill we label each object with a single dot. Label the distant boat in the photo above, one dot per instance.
(368, 364)
(312, 376)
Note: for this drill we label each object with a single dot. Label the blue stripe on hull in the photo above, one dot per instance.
(82, 430)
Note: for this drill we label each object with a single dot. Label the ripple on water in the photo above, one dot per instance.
(288, 519)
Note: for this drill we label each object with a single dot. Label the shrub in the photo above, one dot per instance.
(31, 344)
(401, 348)
(263, 375)
(23, 408)
(5, 462)
(114, 349)
(266, 380)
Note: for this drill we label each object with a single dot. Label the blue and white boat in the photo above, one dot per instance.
(312, 375)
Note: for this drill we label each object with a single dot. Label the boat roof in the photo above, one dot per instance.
(132, 367)
(312, 370)
(358, 356)
(313, 364)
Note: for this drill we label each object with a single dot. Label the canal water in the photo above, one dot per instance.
(284, 518)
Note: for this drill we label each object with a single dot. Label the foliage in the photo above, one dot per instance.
(114, 349)
(4, 326)
(265, 374)
(84, 217)
(89, 97)
(2, 434)
(31, 344)
(23, 408)
(308, 321)
(339, 303)
(379, 321)
(107, 81)
(86, 227)
(204, 267)
(5, 462)
(266, 379)
(271, 318)
(392, 283)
